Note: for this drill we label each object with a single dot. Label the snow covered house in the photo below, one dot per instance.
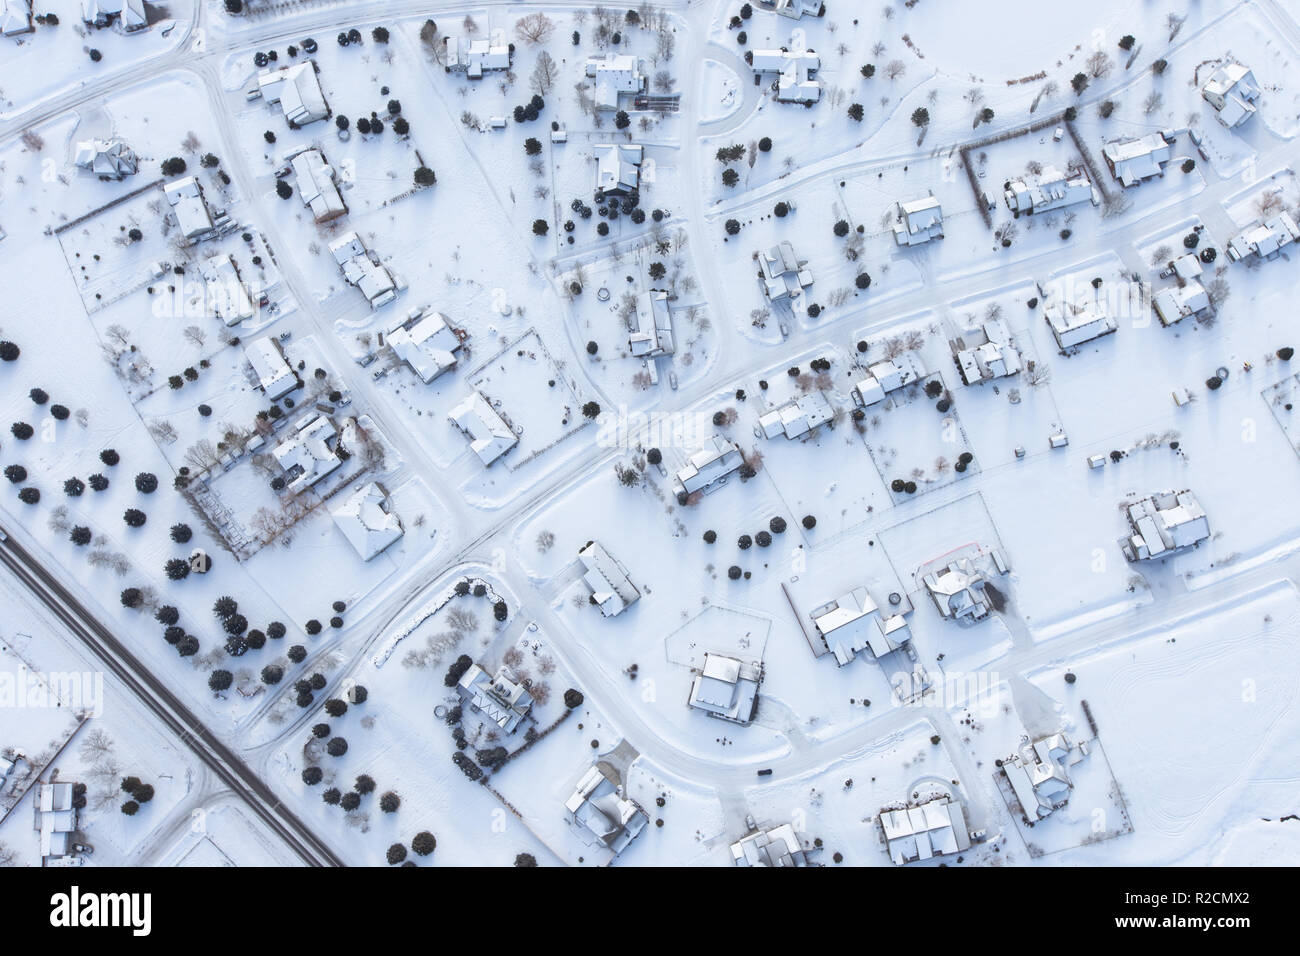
(618, 168)
(652, 335)
(793, 9)
(56, 822)
(616, 76)
(933, 829)
(425, 341)
(274, 375)
(1264, 239)
(708, 466)
(128, 15)
(603, 813)
(1175, 303)
(885, 377)
(1039, 774)
(1073, 324)
(315, 180)
(15, 17)
(309, 454)
(1048, 190)
(106, 158)
(959, 591)
(296, 90)
(918, 221)
(794, 71)
(227, 296)
(476, 57)
(985, 353)
(1163, 525)
(367, 521)
(188, 205)
(362, 269)
(489, 434)
(500, 698)
(775, 846)
(727, 688)
(612, 589)
(798, 417)
(1232, 91)
(853, 623)
(1131, 161)
(784, 275)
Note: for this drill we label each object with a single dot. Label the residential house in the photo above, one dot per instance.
(1189, 297)
(707, 467)
(1164, 524)
(1232, 91)
(362, 268)
(775, 846)
(618, 168)
(500, 698)
(918, 221)
(959, 591)
(603, 813)
(476, 57)
(308, 454)
(185, 196)
(1048, 190)
(727, 688)
(652, 334)
(985, 353)
(799, 417)
(1073, 324)
(617, 77)
(793, 9)
(784, 275)
(425, 341)
(56, 822)
(489, 434)
(794, 71)
(885, 377)
(316, 182)
(853, 623)
(274, 375)
(1265, 240)
(1039, 774)
(933, 829)
(127, 15)
(612, 589)
(227, 296)
(367, 521)
(15, 17)
(1132, 161)
(106, 158)
(296, 90)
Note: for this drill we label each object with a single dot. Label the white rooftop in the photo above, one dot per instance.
(366, 521)
(489, 435)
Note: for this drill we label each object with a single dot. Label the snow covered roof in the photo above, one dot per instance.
(776, 846)
(297, 90)
(226, 294)
(185, 196)
(1050, 189)
(426, 342)
(1075, 323)
(615, 75)
(935, 828)
(795, 83)
(500, 698)
(367, 522)
(1264, 239)
(129, 13)
(986, 354)
(1232, 92)
(958, 591)
(1175, 303)
(1039, 773)
(309, 454)
(797, 418)
(376, 282)
(475, 57)
(1165, 524)
(784, 275)
(489, 435)
(794, 9)
(711, 463)
(727, 688)
(316, 188)
(653, 333)
(618, 167)
(111, 159)
(56, 819)
(273, 372)
(603, 814)
(15, 17)
(853, 623)
(1133, 160)
(612, 589)
(918, 221)
(885, 377)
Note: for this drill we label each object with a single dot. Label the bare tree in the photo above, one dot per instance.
(535, 28)
(895, 68)
(544, 75)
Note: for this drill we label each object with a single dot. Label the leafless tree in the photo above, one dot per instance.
(534, 28)
(544, 75)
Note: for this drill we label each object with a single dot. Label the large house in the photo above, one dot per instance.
(652, 334)
(985, 353)
(798, 417)
(959, 591)
(1165, 524)
(853, 623)
(309, 454)
(1073, 324)
(489, 434)
(107, 159)
(1232, 91)
(15, 17)
(727, 688)
(296, 90)
(885, 377)
(316, 185)
(918, 221)
(794, 69)
(500, 699)
(1039, 774)
(475, 57)
(1189, 297)
(603, 813)
(1048, 190)
(784, 275)
(188, 205)
(616, 77)
(708, 466)
(775, 846)
(793, 9)
(425, 341)
(227, 296)
(1131, 161)
(56, 822)
(612, 589)
(367, 521)
(1264, 240)
(618, 168)
(274, 375)
(128, 15)
(362, 268)
(932, 829)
